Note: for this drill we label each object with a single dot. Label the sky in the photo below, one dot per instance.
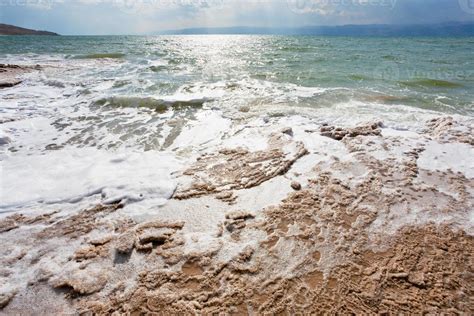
(104, 17)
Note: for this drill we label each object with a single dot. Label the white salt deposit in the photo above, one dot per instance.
(455, 156)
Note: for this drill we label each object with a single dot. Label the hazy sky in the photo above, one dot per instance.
(148, 16)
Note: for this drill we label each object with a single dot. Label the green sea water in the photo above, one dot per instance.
(431, 73)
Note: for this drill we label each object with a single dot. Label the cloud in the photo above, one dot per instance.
(149, 16)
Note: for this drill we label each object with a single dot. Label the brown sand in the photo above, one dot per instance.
(427, 270)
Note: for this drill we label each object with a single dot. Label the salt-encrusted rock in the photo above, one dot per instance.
(79, 224)
(227, 196)
(8, 224)
(9, 75)
(125, 242)
(90, 251)
(148, 235)
(16, 220)
(236, 220)
(236, 215)
(159, 236)
(101, 240)
(338, 133)
(83, 282)
(240, 168)
(244, 109)
(446, 129)
(287, 131)
(6, 297)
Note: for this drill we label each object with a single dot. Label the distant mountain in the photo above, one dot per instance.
(6, 29)
(446, 29)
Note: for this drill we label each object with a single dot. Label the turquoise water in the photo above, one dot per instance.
(428, 73)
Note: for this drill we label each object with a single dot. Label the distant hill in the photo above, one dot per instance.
(446, 29)
(6, 29)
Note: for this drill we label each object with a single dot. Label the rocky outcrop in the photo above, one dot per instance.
(339, 133)
(10, 74)
(446, 129)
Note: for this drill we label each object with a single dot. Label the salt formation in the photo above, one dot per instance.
(236, 169)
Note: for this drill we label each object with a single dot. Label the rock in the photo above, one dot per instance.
(9, 82)
(296, 186)
(245, 255)
(446, 130)
(287, 131)
(101, 240)
(158, 236)
(83, 282)
(417, 279)
(8, 224)
(159, 224)
(9, 75)
(5, 298)
(147, 236)
(226, 196)
(236, 220)
(125, 243)
(80, 224)
(90, 252)
(244, 109)
(339, 133)
(236, 215)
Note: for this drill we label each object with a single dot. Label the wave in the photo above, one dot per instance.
(158, 68)
(431, 83)
(159, 105)
(99, 56)
(390, 57)
(358, 77)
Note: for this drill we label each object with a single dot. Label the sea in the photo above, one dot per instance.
(115, 118)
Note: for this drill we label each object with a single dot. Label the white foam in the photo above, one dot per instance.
(209, 127)
(67, 176)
